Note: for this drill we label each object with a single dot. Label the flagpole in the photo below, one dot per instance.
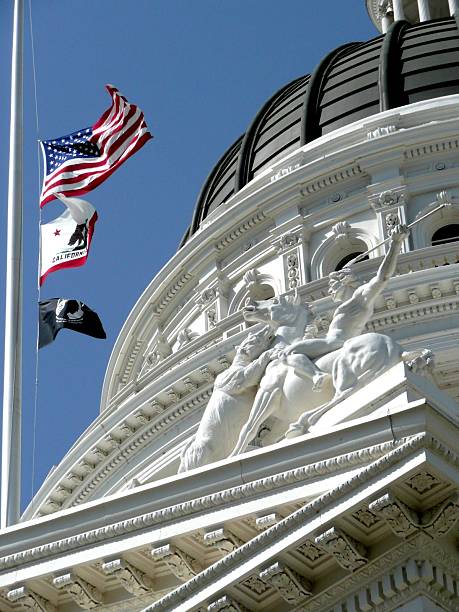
(12, 376)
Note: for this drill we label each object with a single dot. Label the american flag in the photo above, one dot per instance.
(79, 162)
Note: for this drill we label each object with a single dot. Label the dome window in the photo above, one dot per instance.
(447, 233)
(348, 258)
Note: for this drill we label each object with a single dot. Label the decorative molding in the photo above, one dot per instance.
(254, 584)
(348, 552)
(141, 437)
(422, 482)
(381, 457)
(84, 594)
(309, 550)
(159, 352)
(298, 518)
(30, 600)
(185, 336)
(401, 519)
(223, 540)
(419, 546)
(205, 297)
(206, 375)
(171, 292)
(287, 241)
(267, 520)
(132, 354)
(431, 148)
(190, 385)
(441, 519)
(132, 579)
(224, 362)
(365, 517)
(331, 179)
(390, 198)
(293, 270)
(211, 317)
(382, 130)
(283, 172)
(341, 230)
(180, 563)
(292, 587)
(226, 604)
(390, 302)
(239, 231)
(402, 584)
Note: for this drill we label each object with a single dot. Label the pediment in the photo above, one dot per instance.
(383, 537)
(384, 533)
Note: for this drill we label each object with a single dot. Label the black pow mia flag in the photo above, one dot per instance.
(59, 313)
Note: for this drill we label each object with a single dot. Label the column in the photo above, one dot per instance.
(453, 7)
(424, 10)
(386, 21)
(399, 12)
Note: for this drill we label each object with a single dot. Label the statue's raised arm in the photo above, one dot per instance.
(356, 306)
(373, 287)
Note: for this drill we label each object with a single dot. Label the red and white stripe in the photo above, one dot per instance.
(119, 133)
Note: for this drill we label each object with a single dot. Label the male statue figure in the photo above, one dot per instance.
(351, 316)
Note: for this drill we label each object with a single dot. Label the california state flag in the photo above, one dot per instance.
(65, 241)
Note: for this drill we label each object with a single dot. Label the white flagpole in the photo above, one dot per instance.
(12, 377)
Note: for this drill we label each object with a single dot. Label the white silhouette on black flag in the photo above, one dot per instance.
(59, 313)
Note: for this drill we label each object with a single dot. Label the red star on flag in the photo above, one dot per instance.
(57, 232)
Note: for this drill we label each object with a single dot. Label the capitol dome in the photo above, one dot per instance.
(358, 510)
(410, 63)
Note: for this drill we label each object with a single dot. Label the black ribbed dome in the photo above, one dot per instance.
(408, 64)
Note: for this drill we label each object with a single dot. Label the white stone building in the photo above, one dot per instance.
(360, 514)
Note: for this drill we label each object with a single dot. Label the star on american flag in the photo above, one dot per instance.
(79, 162)
(60, 150)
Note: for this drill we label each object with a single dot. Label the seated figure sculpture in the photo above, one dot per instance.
(229, 406)
(294, 387)
(352, 314)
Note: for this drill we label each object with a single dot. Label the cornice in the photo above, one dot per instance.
(419, 546)
(298, 519)
(381, 455)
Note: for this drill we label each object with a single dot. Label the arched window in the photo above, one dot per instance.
(447, 233)
(348, 258)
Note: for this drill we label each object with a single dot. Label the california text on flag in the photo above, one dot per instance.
(65, 241)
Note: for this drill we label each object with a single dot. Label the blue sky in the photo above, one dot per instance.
(200, 70)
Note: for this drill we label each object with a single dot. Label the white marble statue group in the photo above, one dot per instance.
(276, 372)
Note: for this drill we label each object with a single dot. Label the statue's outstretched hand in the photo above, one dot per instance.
(399, 233)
